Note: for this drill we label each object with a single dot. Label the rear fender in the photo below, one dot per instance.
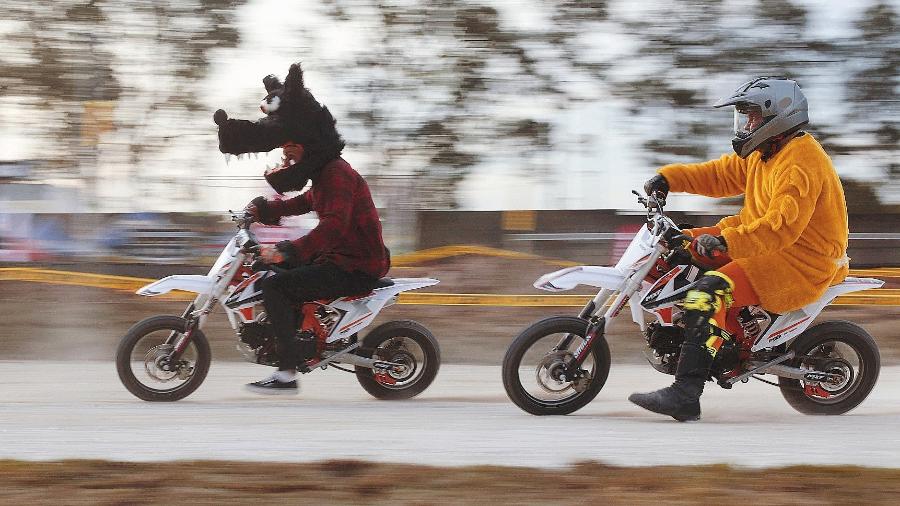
(790, 325)
(404, 285)
(187, 282)
(567, 279)
(359, 312)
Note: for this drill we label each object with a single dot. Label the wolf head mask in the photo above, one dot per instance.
(292, 116)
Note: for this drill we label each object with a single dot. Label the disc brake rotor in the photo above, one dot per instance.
(550, 374)
(407, 367)
(158, 367)
(839, 368)
(395, 351)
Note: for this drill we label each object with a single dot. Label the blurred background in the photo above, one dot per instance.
(534, 117)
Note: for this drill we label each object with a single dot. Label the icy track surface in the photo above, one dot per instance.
(63, 410)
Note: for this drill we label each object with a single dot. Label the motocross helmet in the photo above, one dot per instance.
(765, 108)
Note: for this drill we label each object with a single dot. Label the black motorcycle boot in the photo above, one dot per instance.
(681, 400)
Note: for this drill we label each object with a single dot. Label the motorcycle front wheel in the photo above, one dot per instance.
(534, 362)
(843, 349)
(142, 360)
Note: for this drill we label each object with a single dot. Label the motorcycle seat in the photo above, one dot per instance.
(383, 282)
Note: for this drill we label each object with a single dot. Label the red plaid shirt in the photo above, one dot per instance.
(349, 233)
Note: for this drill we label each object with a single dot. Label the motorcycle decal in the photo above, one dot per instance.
(661, 283)
(815, 376)
(586, 345)
(240, 297)
(670, 288)
(664, 315)
(620, 306)
(777, 334)
(355, 322)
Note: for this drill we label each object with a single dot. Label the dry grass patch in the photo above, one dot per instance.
(355, 482)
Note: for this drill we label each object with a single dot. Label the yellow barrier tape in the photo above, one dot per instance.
(873, 297)
(442, 252)
(85, 279)
(868, 298)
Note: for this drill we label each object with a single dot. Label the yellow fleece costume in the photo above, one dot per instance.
(790, 238)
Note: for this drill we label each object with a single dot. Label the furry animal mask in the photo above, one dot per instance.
(292, 116)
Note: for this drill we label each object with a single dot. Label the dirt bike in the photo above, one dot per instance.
(165, 358)
(559, 364)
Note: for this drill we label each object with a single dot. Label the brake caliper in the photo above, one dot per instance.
(816, 391)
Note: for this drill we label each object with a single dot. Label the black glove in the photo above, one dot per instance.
(657, 184)
(707, 245)
(261, 212)
(289, 252)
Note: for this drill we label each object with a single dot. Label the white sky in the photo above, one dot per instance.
(596, 170)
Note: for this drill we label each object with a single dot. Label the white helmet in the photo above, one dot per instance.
(764, 108)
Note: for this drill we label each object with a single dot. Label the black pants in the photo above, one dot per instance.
(283, 292)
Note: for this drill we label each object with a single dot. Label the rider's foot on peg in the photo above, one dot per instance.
(272, 386)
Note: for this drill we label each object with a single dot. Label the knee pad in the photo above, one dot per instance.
(709, 294)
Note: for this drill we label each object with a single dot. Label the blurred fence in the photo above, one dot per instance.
(158, 238)
(600, 236)
(588, 236)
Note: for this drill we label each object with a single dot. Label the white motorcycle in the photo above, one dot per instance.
(559, 364)
(165, 358)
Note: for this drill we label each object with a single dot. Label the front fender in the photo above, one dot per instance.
(591, 275)
(187, 282)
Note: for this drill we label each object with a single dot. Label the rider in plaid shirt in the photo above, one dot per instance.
(343, 255)
(349, 232)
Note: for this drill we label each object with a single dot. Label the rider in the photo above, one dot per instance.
(344, 254)
(784, 248)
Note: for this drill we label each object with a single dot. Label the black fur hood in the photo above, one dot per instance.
(293, 115)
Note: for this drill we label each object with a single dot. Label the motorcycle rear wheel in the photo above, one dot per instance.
(844, 347)
(402, 341)
(534, 346)
(144, 347)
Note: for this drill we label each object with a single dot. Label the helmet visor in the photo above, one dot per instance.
(747, 118)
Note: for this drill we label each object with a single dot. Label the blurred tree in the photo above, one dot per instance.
(73, 63)
(873, 90)
(862, 198)
(436, 103)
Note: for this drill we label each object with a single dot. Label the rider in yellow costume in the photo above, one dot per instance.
(782, 251)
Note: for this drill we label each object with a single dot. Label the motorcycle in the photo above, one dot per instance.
(559, 364)
(166, 358)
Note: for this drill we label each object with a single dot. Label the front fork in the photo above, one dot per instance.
(180, 340)
(597, 323)
(595, 328)
(196, 318)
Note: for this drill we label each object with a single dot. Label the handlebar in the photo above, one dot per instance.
(242, 219)
(258, 264)
(654, 202)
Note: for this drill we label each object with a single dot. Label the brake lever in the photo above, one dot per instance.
(641, 199)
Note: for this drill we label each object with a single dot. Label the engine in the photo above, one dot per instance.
(665, 343)
(257, 343)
